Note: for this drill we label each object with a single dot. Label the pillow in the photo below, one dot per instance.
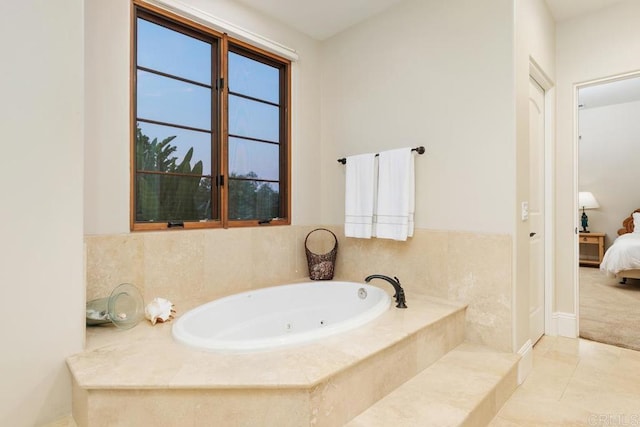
(636, 222)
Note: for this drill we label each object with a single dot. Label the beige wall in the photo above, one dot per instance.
(432, 73)
(106, 165)
(535, 46)
(41, 268)
(609, 149)
(456, 96)
(107, 110)
(589, 47)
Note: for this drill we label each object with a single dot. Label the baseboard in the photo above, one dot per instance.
(525, 364)
(564, 324)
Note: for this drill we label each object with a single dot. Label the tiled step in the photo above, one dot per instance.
(466, 387)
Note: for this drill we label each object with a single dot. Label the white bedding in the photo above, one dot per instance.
(624, 254)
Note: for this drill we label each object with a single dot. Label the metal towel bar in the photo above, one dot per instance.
(419, 150)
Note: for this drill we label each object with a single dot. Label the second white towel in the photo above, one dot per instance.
(395, 206)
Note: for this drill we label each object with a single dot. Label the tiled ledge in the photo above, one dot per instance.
(132, 374)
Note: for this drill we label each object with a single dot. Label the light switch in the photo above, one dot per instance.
(525, 211)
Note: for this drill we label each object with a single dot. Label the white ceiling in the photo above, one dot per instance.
(322, 19)
(567, 9)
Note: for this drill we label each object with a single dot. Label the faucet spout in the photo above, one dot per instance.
(395, 282)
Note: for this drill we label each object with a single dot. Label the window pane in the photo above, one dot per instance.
(254, 159)
(176, 169)
(171, 52)
(162, 198)
(162, 146)
(253, 200)
(172, 101)
(253, 119)
(253, 78)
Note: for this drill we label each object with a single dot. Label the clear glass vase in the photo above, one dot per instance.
(124, 308)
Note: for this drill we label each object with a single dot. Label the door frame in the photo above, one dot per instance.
(576, 181)
(537, 74)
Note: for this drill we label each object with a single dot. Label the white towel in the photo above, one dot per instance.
(396, 195)
(359, 195)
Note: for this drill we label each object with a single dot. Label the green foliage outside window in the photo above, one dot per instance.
(165, 191)
(251, 199)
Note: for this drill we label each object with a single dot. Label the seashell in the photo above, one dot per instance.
(159, 310)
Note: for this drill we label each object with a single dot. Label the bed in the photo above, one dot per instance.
(622, 259)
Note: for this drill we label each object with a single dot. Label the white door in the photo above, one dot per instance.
(536, 210)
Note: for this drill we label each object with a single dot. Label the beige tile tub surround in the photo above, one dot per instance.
(470, 268)
(189, 267)
(143, 377)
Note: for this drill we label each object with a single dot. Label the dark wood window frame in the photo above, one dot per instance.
(223, 44)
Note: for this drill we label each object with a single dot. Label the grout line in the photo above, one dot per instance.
(571, 377)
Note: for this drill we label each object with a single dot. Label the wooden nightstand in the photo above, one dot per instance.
(591, 257)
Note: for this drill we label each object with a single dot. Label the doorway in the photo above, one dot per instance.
(608, 148)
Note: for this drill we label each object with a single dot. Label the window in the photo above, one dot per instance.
(210, 128)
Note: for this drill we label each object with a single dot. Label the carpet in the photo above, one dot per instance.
(609, 311)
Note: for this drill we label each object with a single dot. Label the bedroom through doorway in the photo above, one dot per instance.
(608, 151)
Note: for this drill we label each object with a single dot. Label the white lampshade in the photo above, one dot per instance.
(587, 201)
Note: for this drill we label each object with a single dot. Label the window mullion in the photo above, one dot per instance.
(223, 97)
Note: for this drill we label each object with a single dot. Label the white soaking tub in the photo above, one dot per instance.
(280, 316)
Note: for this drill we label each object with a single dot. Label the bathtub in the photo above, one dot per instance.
(280, 316)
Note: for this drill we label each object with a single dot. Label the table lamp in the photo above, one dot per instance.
(586, 201)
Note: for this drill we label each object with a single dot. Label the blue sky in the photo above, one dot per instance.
(169, 100)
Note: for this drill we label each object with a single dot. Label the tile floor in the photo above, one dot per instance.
(576, 382)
